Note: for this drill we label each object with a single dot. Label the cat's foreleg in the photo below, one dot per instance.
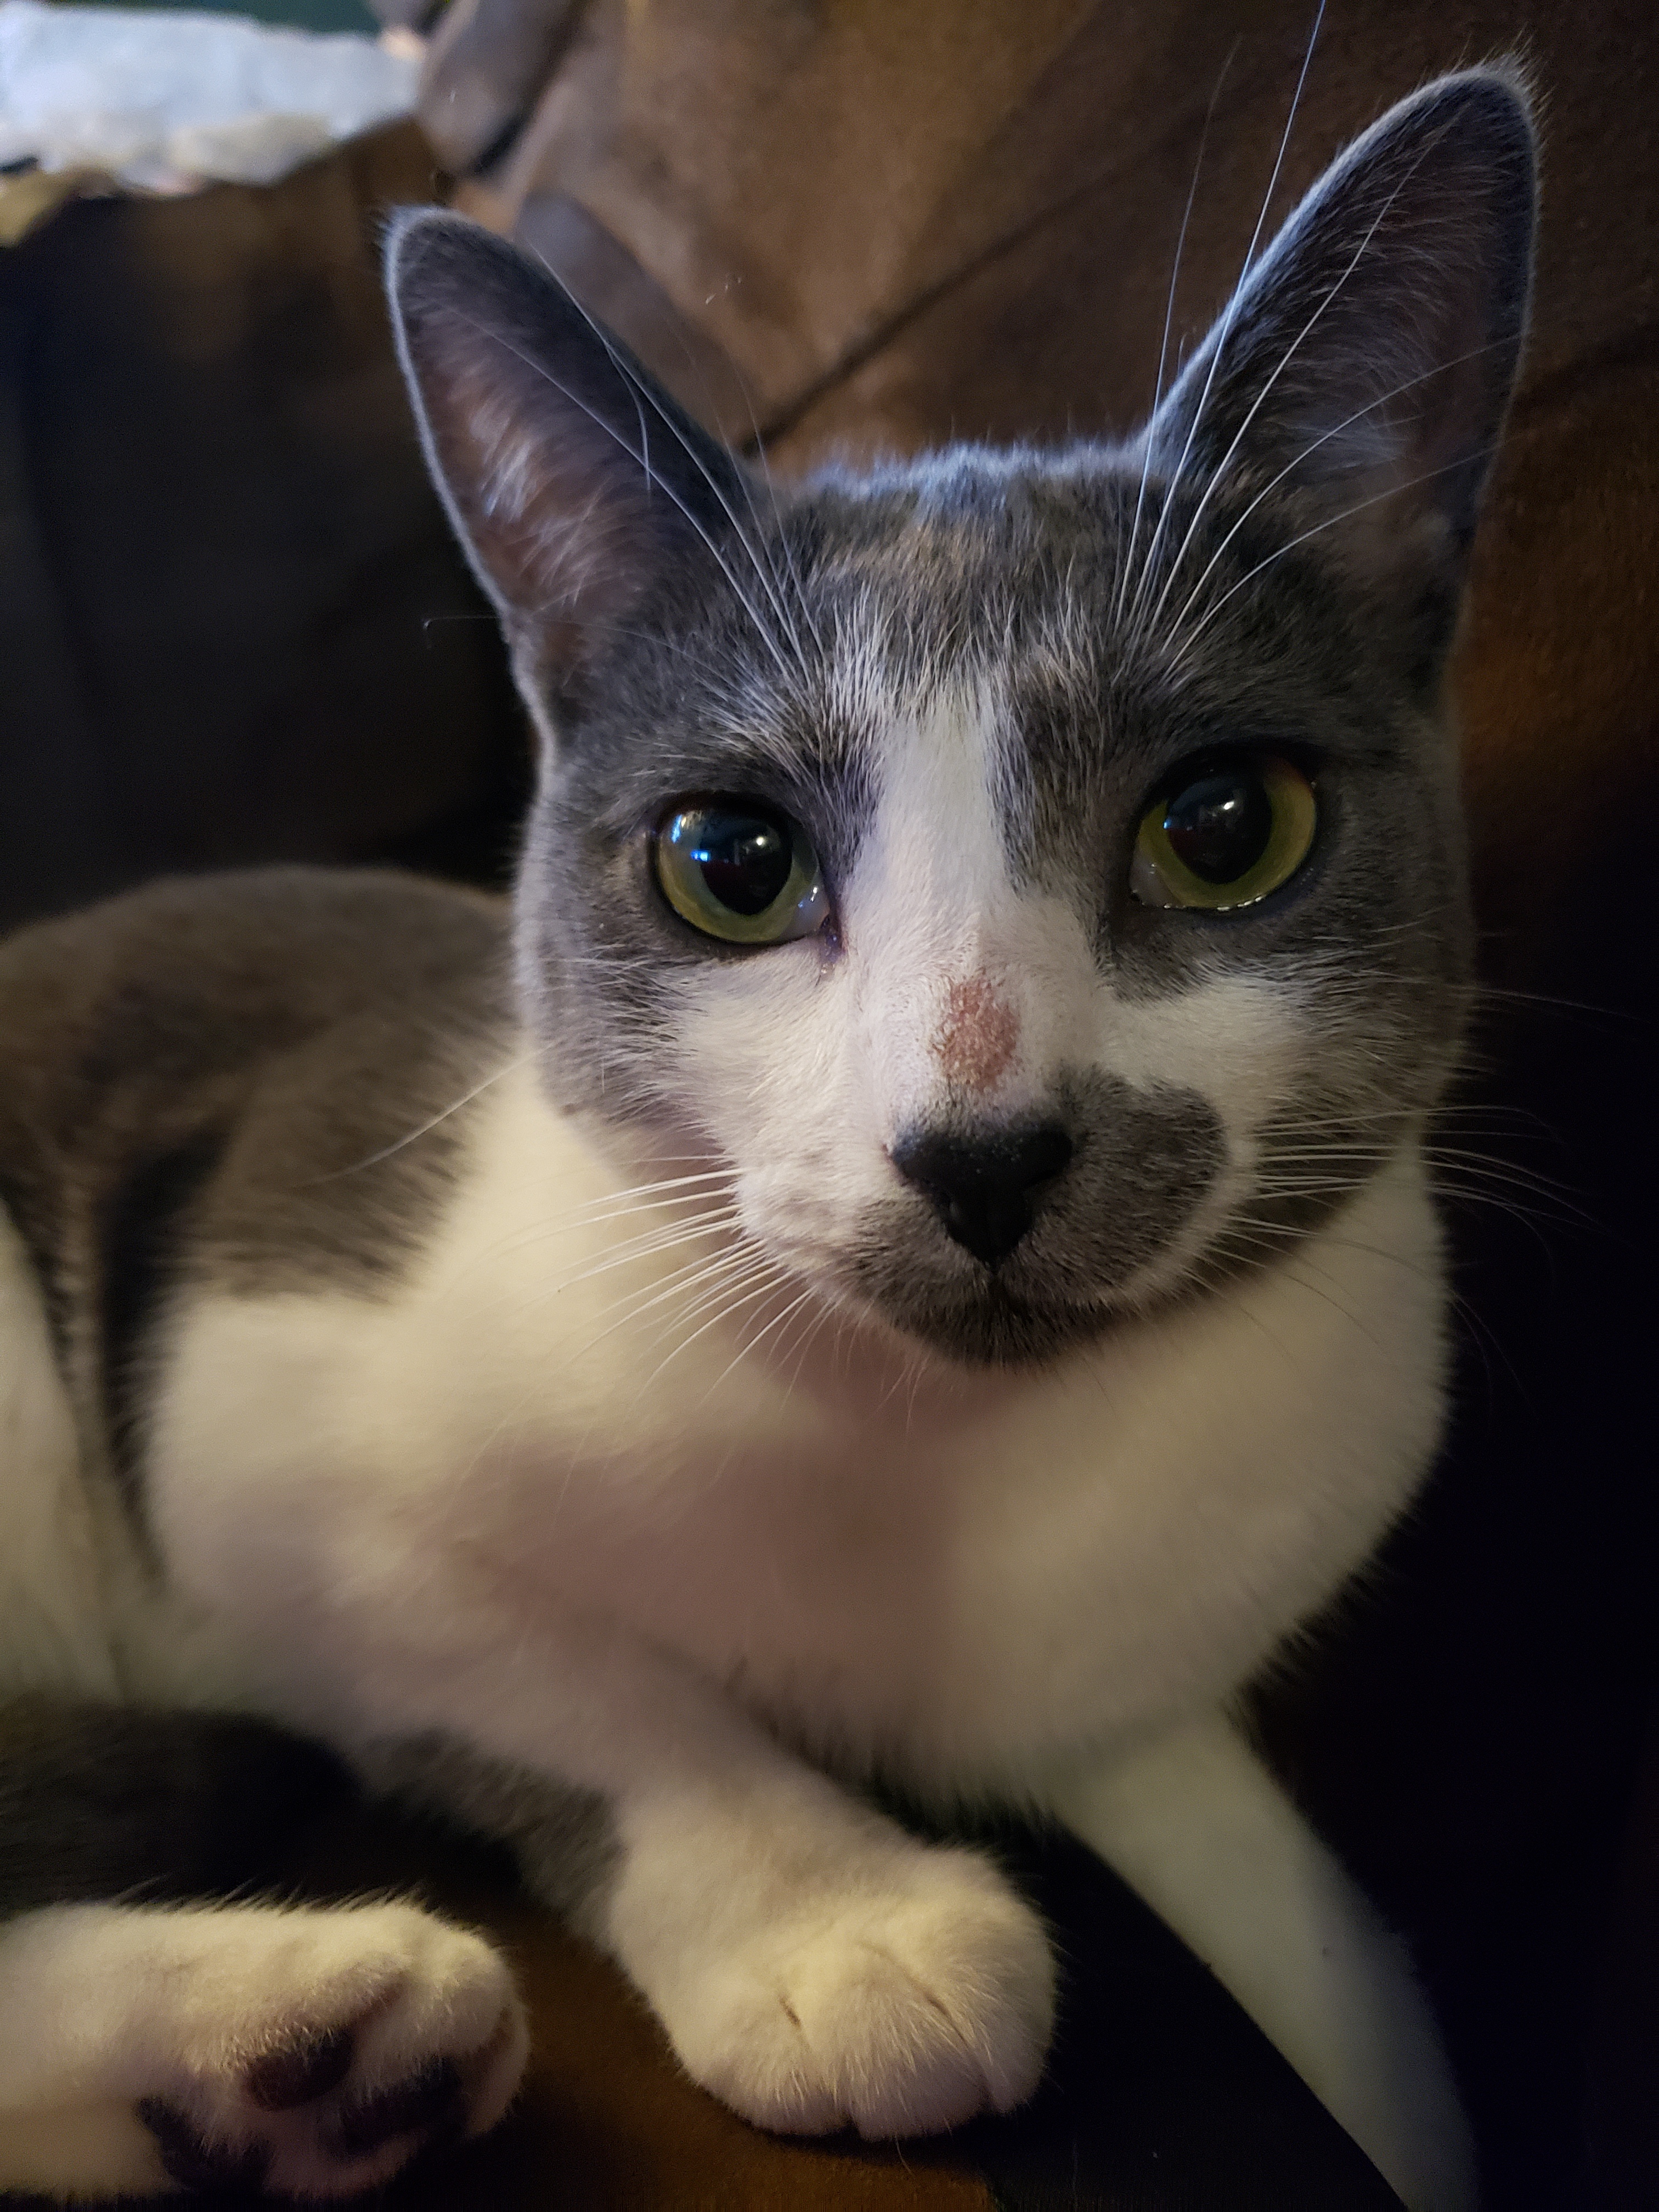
(813, 1965)
(303, 2052)
(1195, 1824)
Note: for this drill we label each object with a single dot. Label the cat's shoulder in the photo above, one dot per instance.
(323, 940)
(265, 1044)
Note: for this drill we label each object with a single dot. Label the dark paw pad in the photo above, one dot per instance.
(429, 2100)
(194, 2162)
(300, 2074)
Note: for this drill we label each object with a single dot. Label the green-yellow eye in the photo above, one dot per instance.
(1224, 834)
(736, 872)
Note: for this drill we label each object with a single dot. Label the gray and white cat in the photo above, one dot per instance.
(909, 1254)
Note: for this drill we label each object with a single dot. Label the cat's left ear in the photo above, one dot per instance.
(575, 483)
(1363, 366)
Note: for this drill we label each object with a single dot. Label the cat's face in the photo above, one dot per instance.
(1035, 879)
(985, 1025)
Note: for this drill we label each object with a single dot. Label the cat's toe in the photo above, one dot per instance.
(900, 2011)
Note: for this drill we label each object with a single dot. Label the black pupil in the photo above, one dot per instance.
(746, 860)
(1219, 826)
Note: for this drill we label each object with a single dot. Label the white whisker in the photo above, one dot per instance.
(432, 1121)
(765, 575)
(1128, 568)
(1227, 318)
(1399, 392)
(539, 368)
(1181, 648)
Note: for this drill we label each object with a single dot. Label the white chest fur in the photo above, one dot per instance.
(971, 1575)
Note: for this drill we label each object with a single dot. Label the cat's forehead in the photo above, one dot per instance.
(1066, 586)
(880, 615)
(957, 658)
(976, 613)
(970, 555)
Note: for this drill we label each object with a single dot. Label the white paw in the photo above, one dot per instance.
(899, 2005)
(313, 2052)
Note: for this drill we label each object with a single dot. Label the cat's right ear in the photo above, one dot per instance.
(575, 483)
(1363, 366)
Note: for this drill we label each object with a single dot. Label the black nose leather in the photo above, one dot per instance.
(982, 1186)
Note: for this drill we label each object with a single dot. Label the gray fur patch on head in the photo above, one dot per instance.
(966, 678)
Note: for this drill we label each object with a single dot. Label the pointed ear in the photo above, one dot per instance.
(575, 483)
(1364, 365)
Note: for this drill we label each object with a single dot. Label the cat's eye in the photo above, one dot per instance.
(739, 871)
(1225, 833)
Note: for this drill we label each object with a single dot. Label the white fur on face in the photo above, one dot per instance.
(957, 998)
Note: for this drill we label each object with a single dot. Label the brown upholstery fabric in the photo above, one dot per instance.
(232, 624)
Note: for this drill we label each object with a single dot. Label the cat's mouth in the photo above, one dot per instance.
(1008, 1245)
(980, 1320)
(1014, 1268)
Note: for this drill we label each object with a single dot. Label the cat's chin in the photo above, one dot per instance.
(988, 1326)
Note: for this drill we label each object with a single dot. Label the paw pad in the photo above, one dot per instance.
(429, 2101)
(299, 2074)
(428, 2107)
(189, 2159)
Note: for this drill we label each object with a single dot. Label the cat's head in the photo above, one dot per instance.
(1036, 876)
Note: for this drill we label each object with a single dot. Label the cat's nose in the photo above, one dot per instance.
(982, 1187)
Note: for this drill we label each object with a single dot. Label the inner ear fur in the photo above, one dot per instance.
(1366, 363)
(577, 486)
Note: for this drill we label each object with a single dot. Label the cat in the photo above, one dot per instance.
(907, 1255)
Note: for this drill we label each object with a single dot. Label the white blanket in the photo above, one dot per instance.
(165, 100)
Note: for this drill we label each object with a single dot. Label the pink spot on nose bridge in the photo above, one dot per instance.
(976, 1036)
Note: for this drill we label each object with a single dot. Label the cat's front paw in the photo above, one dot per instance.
(325, 2048)
(900, 2005)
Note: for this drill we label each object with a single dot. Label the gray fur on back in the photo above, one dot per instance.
(229, 1081)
